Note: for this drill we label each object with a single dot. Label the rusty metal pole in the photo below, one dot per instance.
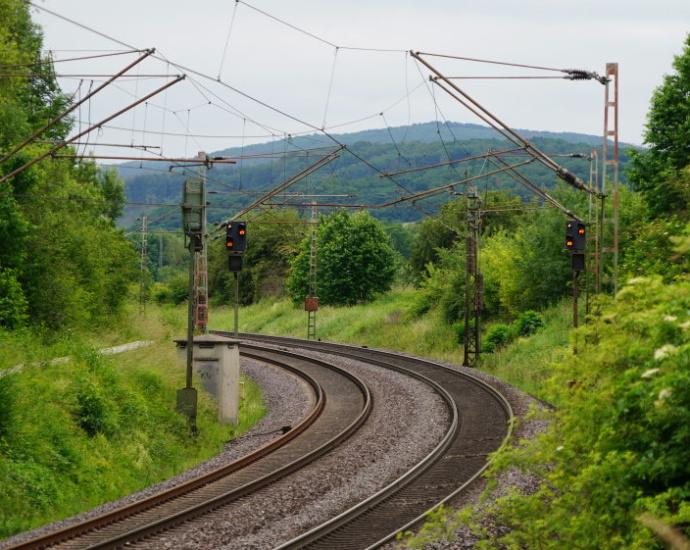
(576, 293)
(473, 301)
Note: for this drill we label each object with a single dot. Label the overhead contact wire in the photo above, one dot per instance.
(227, 41)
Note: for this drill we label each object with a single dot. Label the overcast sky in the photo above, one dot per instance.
(272, 68)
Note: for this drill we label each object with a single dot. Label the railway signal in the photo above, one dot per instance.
(236, 244)
(575, 235)
(236, 236)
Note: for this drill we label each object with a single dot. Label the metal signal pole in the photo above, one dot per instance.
(143, 283)
(474, 294)
(193, 222)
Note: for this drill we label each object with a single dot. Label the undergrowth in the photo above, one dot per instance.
(78, 432)
(391, 322)
(610, 470)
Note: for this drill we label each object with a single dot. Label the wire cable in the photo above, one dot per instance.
(227, 41)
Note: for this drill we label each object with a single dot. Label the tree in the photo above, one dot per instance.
(656, 172)
(62, 260)
(272, 242)
(434, 234)
(355, 261)
(527, 267)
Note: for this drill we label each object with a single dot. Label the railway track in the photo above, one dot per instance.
(330, 422)
(478, 423)
(479, 428)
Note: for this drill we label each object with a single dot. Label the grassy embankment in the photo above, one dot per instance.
(387, 323)
(78, 433)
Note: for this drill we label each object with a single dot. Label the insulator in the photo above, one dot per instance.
(579, 74)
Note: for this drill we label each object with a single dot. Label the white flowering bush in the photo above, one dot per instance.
(617, 449)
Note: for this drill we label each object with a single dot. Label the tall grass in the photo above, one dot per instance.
(388, 323)
(384, 323)
(78, 433)
(526, 363)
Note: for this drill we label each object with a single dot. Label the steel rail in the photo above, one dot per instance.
(316, 537)
(69, 533)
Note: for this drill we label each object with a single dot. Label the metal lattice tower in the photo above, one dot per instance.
(201, 293)
(143, 283)
(201, 269)
(474, 294)
(312, 303)
(606, 269)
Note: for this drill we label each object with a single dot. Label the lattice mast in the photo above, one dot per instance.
(201, 263)
(311, 304)
(143, 282)
(474, 292)
(607, 235)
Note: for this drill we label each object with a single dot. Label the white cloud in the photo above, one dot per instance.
(290, 69)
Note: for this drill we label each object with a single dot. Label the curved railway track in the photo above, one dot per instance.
(480, 427)
(478, 424)
(331, 421)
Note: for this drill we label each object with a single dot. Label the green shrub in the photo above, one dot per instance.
(528, 323)
(615, 449)
(94, 414)
(497, 336)
(13, 304)
(174, 291)
(459, 329)
(7, 404)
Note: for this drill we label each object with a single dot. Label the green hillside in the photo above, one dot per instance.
(358, 170)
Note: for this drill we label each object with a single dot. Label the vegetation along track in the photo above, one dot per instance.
(476, 426)
(330, 421)
(480, 425)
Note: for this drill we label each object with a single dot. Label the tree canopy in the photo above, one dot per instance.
(62, 261)
(355, 261)
(660, 172)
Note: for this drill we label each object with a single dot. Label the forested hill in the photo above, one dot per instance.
(357, 171)
(428, 132)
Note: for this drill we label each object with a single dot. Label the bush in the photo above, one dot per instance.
(174, 291)
(500, 335)
(94, 413)
(497, 336)
(7, 404)
(459, 329)
(615, 449)
(13, 304)
(528, 323)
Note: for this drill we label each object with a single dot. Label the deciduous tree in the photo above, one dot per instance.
(355, 261)
(657, 171)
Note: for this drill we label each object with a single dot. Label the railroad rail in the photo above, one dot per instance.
(478, 424)
(330, 422)
(481, 425)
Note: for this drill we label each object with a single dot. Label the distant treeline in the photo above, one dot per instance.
(359, 170)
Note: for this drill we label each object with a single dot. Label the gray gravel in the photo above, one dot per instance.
(408, 420)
